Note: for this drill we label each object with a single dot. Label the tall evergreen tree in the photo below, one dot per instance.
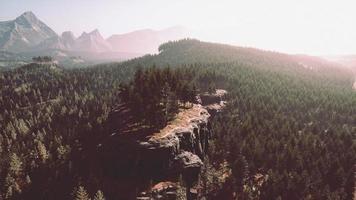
(15, 164)
(81, 194)
(99, 195)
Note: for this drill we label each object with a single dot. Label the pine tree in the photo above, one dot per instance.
(15, 164)
(99, 195)
(41, 148)
(184, 94)
(192, 94)
(28, 179)
(22, 127)
(8, 185)
(240, 173)
(81, 194)
(172, 105)
(9, 193)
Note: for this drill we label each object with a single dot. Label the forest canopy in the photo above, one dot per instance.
(290, 119)
(154, 95)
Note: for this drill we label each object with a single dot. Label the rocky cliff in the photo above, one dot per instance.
(177, 149)
(189, 132)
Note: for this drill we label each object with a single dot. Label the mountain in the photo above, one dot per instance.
(92, 42)
(145, 41)
(28, 36)
(64, 42)
(55, 42)
(23, 33)
(68, 38)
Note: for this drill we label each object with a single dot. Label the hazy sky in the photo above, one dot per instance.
(294, 26)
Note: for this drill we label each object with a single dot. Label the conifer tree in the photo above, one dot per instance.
(81, 194)
(240, 172)
(42, 151)
(15, 164)
(99, 195)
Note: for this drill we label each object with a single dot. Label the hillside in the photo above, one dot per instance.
(287, 131)
(191, 52)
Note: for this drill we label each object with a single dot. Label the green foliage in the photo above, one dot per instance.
(290, 118)
(291, 129)
(42, 59)
(154, 95)
(45, 113)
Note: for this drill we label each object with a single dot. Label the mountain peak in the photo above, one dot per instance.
(68, 34)
(26, 31)
(83, 34)
(68, 39)
(95, 32)
(92, 41)
(28, 15)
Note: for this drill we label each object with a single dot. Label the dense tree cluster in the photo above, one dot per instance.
(154, 95)
(296, 133)
(42, 59)
(290, 120)
(47, 116)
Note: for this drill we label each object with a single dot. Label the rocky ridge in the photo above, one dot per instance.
(181, 146)
(184, 140)
(144, 159)
(23, 32)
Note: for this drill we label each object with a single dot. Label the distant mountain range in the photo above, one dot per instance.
(28, 36)
(144, 41)
(23, 33)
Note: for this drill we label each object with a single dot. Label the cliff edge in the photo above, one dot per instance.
(176, 150)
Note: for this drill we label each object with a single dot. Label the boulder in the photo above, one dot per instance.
(187, 160)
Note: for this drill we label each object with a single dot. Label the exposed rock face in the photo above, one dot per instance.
(68, 38)
(23, 32)
(179, 148)
(182, 143)
(214, 102)
(92, 42)
(186, 160)
(163, 190)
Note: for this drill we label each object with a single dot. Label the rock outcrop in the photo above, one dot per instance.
(177, 149)
(162, 190)
(183, 142)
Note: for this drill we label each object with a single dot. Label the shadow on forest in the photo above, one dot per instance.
(100, 160)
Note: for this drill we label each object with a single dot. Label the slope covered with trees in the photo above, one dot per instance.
(289, 119)
(154, 95)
